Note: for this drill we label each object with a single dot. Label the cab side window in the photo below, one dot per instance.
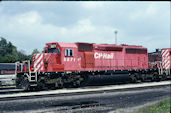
(69, 52)
(58, 51)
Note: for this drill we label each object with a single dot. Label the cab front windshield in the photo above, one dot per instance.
(52, 50)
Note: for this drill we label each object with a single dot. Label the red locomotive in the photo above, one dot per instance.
(72, 64)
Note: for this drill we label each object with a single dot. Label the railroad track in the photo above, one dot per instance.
(10, 91)
(14, 93)
(6, 87)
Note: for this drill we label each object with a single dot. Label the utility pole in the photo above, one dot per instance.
(116, 36)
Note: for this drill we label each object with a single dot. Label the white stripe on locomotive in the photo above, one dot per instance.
(37, 55)
(39, 66)
(164, 53)
(165, 59)
(38, 60)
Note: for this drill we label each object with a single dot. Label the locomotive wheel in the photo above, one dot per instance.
(143, 78)
(133, 78)
(164, 76)
(25, 85)
(18, 83)
(41, 86)
(155, 77)
(59, 84)
(76, 84)
(85, 80)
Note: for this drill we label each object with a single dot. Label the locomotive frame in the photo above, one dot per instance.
(73, 64)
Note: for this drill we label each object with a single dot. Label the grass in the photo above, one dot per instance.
(163, 106)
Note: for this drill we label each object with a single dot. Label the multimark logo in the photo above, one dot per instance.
(103, 55)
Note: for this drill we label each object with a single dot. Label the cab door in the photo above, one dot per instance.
(58, 55)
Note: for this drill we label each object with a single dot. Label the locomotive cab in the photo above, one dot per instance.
(54, 48)
(61, 54)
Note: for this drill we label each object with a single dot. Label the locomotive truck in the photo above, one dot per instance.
(75, 64)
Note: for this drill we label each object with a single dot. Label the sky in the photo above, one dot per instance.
(30, 25)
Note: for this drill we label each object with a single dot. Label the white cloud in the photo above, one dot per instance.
(151, 10)
(92, 4)
(33, 27)
(35, 2)
(28, 18)
(146, 12)
(27, 31)
(83, 26)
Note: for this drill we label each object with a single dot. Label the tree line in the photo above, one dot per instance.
(9, 53)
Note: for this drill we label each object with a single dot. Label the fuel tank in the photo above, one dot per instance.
(108, 79)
